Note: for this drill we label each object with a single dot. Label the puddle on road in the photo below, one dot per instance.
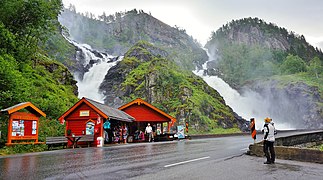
(283, 167)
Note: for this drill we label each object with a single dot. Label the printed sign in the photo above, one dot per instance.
(18, 128)
(85, 113)
(165, 127)
(180, 132)
(34, 127)
(89, 129)
(158, 129)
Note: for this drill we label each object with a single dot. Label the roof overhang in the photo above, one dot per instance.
(139, 101)
(24, 105)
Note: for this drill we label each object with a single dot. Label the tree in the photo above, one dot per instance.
(316, 67)
(293, 64)
(72, 8)
(30, 22)
(103, 17)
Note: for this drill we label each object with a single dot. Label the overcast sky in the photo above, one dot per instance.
(200, 17)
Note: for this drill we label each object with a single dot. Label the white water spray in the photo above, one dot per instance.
(247, 105)
(89, 85)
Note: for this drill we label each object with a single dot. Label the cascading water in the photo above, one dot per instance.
(98, 65)
(249, 104)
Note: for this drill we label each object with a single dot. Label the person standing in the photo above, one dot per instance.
(269, 140)
(149, 131)
(125, 134)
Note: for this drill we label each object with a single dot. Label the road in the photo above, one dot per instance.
(212, 158)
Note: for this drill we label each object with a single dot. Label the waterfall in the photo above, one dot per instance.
(247, 105)
(97, 64)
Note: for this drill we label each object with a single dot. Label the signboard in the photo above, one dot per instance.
(85, 113)
(180, 132)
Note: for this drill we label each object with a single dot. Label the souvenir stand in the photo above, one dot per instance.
(87, 117)
(144, 113)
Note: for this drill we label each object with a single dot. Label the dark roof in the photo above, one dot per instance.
(112, 113)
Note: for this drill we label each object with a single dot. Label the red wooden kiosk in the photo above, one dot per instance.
(87, 116)
(23, 126)
(145, 113)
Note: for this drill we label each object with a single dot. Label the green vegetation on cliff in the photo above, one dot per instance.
(251, 48)
(279, 65)
(117, 33)
(172, 89)
(26, 73)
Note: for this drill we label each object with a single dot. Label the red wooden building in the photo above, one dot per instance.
(87, 116)
(145, 113)
(23, 126)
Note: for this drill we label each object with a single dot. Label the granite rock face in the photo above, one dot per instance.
(297, 103)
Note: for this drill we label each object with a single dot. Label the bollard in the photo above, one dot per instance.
(253, 129)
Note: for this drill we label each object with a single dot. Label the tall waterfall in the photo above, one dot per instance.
(98, 64)
(247, 105)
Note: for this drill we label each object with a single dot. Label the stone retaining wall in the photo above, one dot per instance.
(284, 148)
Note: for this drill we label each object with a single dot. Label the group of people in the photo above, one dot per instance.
(116, 134)
(119, 133)
(140, 135)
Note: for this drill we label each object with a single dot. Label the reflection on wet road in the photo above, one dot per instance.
(119, 161)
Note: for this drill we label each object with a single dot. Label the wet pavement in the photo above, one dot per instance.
(213, 158)
(241, 168)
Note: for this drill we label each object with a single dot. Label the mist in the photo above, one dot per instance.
(249, 103)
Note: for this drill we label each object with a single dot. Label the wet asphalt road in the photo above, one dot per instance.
(213, 158)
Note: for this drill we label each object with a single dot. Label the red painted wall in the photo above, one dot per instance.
(77, 123)
(144, 113)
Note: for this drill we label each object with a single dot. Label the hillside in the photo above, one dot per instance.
(116, 33)
(145, 72)
(27, 73)
(251, 48)
(280, 65)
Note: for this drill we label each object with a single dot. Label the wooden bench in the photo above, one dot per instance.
(87, 139)
(56, 141)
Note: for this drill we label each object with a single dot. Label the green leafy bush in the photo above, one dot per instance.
(293, 64)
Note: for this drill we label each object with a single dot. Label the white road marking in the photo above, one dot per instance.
(244, 149)
(183, 162)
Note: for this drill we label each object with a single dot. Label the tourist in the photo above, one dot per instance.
(269, 140)
(149, 131)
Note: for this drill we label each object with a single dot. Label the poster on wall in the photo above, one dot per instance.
(22, 127)
(180, 132)
(34, 127)
(165, 127)
(89, 128)
(158, 129)
(15, 128)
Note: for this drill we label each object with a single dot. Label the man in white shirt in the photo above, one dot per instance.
(149, 131)
(269, 140)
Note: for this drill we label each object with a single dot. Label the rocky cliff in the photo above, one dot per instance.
(255, 31)
(252, 54)
(297, 103)
(115, 35)
(145, 72)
